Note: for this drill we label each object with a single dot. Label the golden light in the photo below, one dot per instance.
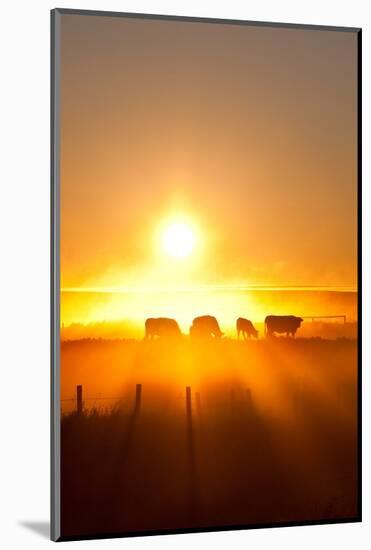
(178, 240)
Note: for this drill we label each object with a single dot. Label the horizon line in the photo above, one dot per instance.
(209, 288)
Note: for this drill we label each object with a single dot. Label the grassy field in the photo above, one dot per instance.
(272, 434)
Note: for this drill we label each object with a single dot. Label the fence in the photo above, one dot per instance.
(313, 317)
(80, 399)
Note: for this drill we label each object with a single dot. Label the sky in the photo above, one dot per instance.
(246, 134)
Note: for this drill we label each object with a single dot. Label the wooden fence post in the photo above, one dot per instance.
(79, 399)
(138, 398)
(189, 408)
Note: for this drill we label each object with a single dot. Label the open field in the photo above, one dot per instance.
(115, 315)
(269, 433)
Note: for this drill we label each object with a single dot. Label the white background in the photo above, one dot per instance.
(24, 273)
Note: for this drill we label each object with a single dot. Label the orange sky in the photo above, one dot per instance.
(247, 132)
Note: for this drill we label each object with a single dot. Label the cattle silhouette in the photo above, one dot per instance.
(205, 326)
(161, 327)
(246, 328)
(282, 324)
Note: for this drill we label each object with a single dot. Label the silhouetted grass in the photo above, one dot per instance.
(287, 454)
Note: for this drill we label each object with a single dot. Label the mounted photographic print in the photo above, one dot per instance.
(205, 274)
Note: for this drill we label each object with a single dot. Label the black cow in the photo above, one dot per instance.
(205, 326)
(246, 328)
(287, 324)
(161, 327)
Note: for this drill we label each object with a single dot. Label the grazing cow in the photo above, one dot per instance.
(287, 324)
(205, 326)
(246, 328)
(161, 327)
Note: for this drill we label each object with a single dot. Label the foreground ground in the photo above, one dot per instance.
(270, 434)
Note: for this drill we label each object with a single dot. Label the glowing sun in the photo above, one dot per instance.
(178, 240)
